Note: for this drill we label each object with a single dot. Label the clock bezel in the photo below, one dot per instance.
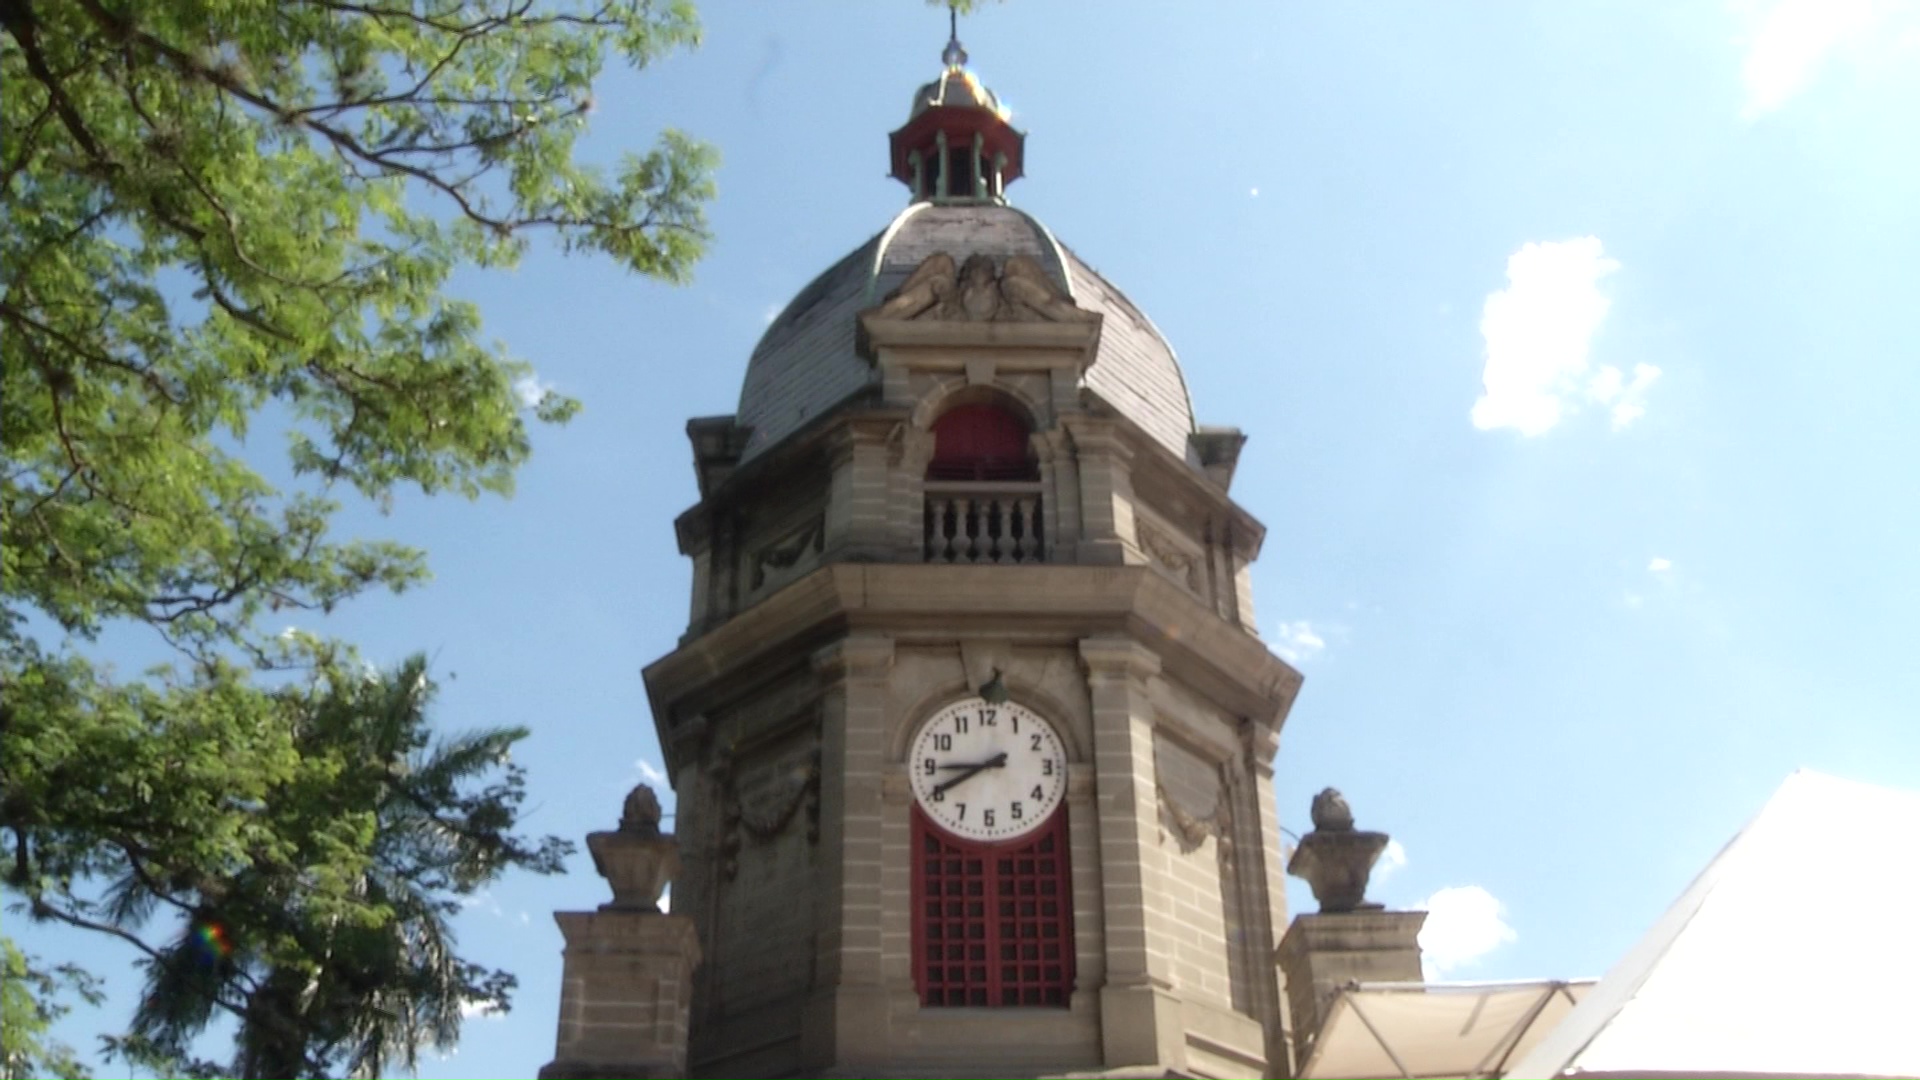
(930, 809)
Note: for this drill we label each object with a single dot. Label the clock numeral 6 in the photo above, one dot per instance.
(986, 818)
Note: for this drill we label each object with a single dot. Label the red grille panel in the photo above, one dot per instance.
(992, 924)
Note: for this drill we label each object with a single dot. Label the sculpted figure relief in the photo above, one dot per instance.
(930, 286)
(979, 289)
(975, 291)
(1031, 296)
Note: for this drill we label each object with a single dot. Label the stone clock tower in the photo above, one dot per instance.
(971, 730)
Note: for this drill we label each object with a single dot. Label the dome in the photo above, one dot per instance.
(806, 362)
(956, 88)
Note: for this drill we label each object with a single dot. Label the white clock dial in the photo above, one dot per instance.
(988, 772)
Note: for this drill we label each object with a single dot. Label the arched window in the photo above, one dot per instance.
(981, 442)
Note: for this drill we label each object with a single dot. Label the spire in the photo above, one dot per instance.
(957, 145)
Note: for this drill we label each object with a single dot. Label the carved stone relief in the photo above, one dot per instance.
(1167, 554)
(760, 800)
(942, 290)
(786, 552)
(1194, 802)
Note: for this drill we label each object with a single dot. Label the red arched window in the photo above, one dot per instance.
(992, 923)
(981, 442)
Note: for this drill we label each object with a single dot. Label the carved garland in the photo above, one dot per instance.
(769, 815)
(1191, 830)
(783, 553)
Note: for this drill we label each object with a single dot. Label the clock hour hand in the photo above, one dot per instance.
(996, 761)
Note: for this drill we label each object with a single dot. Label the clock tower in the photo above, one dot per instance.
(971, 729)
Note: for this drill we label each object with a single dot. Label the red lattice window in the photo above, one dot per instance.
(992, 923)
(981, 442)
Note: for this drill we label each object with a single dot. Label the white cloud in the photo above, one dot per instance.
(1391, 859)
(530, 390)
(1658, 565)
(483, 1010)
(1539, 333)
(1253, 193)
(1792, 42)
(1297, 641)
(650, 772)
(1464, 923)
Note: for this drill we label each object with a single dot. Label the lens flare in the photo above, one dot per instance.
(211, 943)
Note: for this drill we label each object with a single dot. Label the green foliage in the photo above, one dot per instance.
(29, 1004)
(223, 212)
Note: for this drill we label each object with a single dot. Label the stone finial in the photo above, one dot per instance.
(641, 813)
(1331, 813)
(638, 860)
(1335, 858)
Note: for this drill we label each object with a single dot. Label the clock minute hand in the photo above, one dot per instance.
(996, 761)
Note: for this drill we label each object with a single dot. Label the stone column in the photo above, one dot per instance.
(1106, 492)
(1261, 888)
(857, 515)
(846, 1013)
(1060, 494)
(625, 995)
(1139, 1015)
(627, 978)
(1351, 939)
(909, 492)
(1321, 953)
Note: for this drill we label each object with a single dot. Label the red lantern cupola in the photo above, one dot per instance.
(957, 145)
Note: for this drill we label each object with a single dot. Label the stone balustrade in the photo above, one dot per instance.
(994, 522)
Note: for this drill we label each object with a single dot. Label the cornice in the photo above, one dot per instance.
(1065, 604)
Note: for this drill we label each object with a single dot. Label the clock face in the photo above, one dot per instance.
(988, 772)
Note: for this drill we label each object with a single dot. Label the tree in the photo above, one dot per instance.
(239, 214)
(29, 1004)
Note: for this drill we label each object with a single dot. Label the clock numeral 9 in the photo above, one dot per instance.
(929, 767)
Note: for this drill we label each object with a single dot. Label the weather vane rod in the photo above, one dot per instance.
(953, 55)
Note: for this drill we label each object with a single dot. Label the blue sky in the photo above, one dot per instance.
(1575, 341)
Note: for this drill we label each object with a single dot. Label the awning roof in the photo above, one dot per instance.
(1793, 953)
(1436, 1029)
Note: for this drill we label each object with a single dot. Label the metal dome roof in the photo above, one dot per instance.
(806, 362)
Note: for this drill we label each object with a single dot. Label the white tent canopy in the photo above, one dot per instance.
(1794, 953)
(1436, 1029)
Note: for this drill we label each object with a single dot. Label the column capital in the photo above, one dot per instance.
(1118, 657)
(855, 656)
